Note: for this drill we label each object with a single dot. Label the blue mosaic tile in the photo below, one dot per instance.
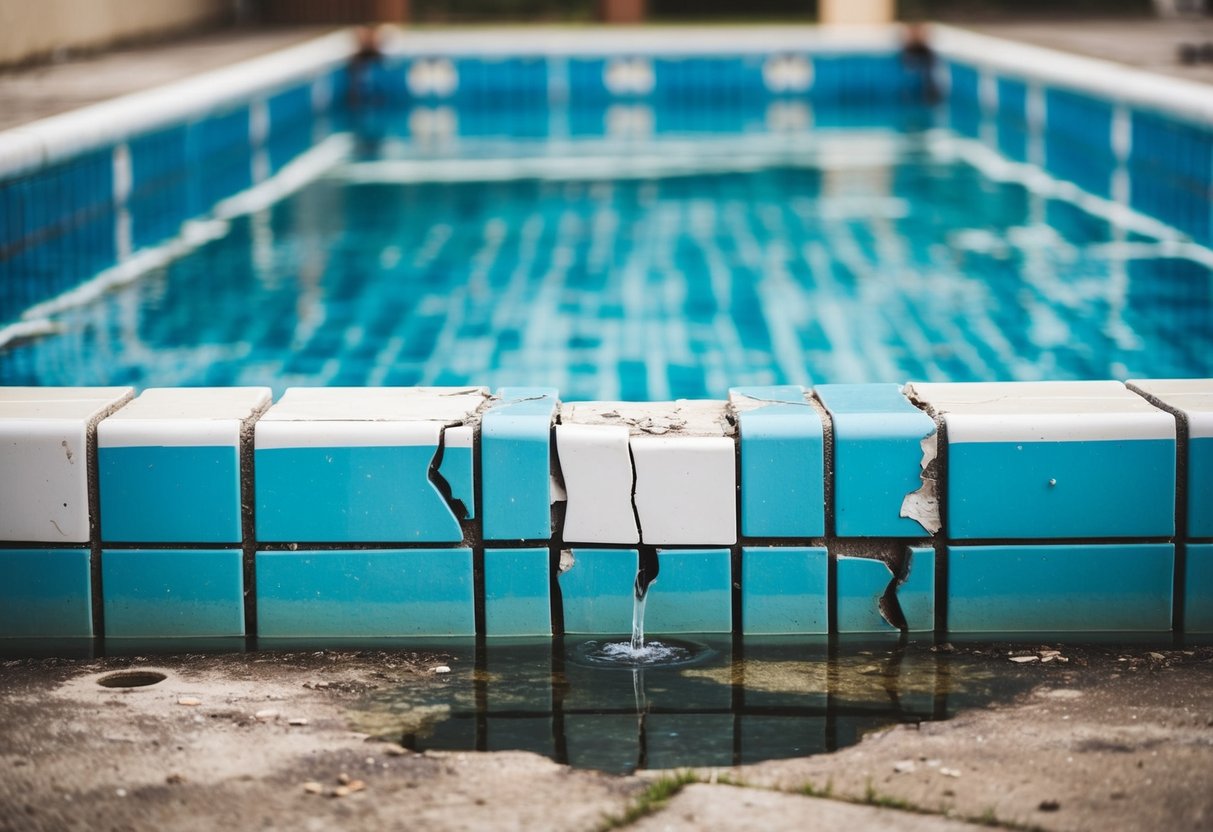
(692, 592)
(169, 593)
(916, 594)
(1060, 588)
(861, 584)
(170, 494)
(365, 593)
(45, 593)
(354, 494)
(784, 591)
(782, 464)
(597, 591)
(877, 458)
(517, 592)
(1198, 588)
(515, 463)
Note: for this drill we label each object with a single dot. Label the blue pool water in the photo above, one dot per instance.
(664, 257)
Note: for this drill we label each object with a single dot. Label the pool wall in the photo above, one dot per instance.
(844, 509)
(1037, 508)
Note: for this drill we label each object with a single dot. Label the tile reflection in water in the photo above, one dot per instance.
(742, 702)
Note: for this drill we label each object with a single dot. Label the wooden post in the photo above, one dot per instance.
(622, 11)
(863, 12)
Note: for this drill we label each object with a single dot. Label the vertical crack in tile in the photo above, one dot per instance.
(457, 507)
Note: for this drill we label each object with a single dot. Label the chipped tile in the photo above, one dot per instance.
(1055, 460)
(879, 451)
(862, 582)
(597, 591)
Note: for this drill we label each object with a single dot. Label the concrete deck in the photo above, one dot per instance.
(29, 94)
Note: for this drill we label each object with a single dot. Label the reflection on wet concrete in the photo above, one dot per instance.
(746, 700)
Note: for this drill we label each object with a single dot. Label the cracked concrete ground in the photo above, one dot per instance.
(1114, 739)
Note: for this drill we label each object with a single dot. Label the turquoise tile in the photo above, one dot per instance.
(692, 592)
(458, 471)
(782, 464)
(597, 591)
(784, 591)
(1061, 588)
(877, 458)
(1198, 588)
(45, 593)
(515, 464)
(916, 594)
(171, 593)
(861, 584)
(351, 494)
(1040, 490)
(365, 593)
(1200, 487)
(169, 494)
(517, 592)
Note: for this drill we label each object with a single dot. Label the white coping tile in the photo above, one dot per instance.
(686, 489)
(183, 417)
(596, 464)
(44, 460)
(1043, 411)
(270, 434)
(1193, 397)
(682, 418)
(462, 436)
(449, 405)
(71, 403)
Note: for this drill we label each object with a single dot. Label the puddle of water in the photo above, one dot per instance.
(720, 703)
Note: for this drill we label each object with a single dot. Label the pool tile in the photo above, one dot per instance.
(916, 593)
(170, 593)
(365, 593)
(1193, 399)
(515, 463)
(45, 593)
(684, 460)
(784, 591)
(44, 433)
(168, 465)
(782, 462)
(458, 466)
(692, 592)
(1198, 588)
(1046, 460)
(517, 592)
(596, 465)
(879, 450)
(597, 591)
(1060, 588)
(862, 582)
(353, 464)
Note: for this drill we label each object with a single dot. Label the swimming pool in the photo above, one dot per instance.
(417, 296)
(708, 221)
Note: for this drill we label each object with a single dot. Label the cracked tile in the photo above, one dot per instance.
(862, 582)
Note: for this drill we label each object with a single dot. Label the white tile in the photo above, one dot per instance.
(44, 460)
(459, 437)
(188, 416)
(597, 468)
(1193, 397)
(686, 489)
(1048, 411)
(678, 418)
(270, 434)
(449, 405)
